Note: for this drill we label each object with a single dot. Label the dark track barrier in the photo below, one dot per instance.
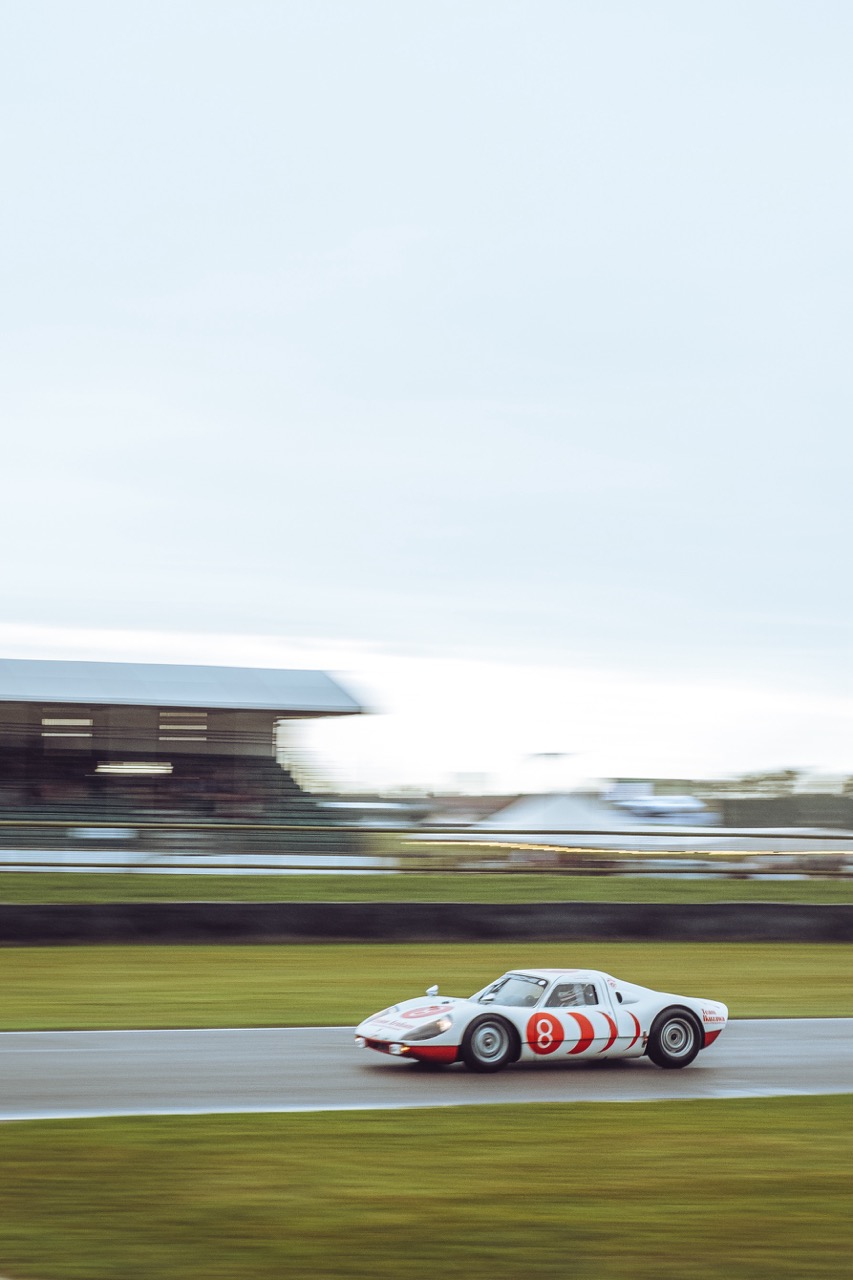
(422, 922)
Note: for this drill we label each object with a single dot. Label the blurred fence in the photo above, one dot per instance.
(254, 848)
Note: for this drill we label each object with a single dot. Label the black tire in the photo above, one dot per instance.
(675, 1039)
(489, 1044)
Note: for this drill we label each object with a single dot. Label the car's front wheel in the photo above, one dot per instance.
(489, 1044)
(674, 1039)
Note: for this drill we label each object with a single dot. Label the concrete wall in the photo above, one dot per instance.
(422, 922)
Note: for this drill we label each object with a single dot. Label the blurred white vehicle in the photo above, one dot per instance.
(639, 799)
(680, 810)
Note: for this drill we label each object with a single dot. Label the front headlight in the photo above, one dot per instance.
(444, 1023)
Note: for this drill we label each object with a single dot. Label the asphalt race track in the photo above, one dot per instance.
(59, 1074)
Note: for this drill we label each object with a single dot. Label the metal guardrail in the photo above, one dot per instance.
(253, 848)
(473, 834)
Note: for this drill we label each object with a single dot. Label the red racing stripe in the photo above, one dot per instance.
(612, 1025)
(637, 1025)
(587, 1033)
(710, 1037)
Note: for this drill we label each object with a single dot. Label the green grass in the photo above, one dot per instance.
(413, 887)
(339, 983)
(674, 1191)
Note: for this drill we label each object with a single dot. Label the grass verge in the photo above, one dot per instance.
(756, 1188)
(339, 983)
(117, 886)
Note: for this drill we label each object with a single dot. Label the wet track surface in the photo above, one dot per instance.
(95, 1073)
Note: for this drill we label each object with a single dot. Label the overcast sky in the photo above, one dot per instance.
(512, 335)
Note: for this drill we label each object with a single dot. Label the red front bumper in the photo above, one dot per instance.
(421, 1053)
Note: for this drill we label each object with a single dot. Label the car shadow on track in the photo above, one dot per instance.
(612, 1066)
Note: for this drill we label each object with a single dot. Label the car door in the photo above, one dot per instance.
(577, 1019)
(630, 1040)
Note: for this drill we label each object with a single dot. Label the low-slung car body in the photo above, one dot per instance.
(544, 1015)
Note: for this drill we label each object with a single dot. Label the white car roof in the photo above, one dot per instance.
(571, 975)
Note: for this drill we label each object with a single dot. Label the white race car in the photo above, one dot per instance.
(546, 1014)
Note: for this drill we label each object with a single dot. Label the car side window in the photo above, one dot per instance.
(572, 995)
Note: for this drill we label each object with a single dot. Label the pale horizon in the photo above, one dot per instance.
(452, 723)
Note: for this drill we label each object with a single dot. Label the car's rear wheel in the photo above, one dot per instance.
(489, 1044)
(675, 1039)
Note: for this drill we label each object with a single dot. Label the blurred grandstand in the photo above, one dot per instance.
(84, 744)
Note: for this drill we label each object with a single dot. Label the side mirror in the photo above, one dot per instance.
(432, 991)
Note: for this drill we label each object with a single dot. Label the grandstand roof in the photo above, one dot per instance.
(137, 684)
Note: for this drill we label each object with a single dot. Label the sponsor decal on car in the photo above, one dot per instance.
(425, 1011)
(391, 1022)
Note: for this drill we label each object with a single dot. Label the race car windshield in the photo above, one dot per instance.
(514, 990)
